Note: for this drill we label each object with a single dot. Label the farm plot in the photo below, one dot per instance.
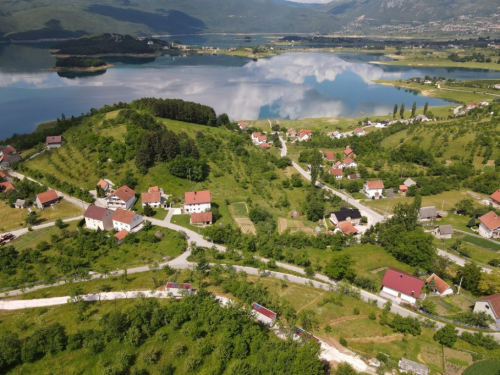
(239, 212)
(294, 226)
(489, 367)
(456, 361)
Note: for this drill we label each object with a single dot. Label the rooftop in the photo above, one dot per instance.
(441, 285)
(96, 213)
(202, 217)
(121, 235)
(403, 282)
(124, 193)
(378, 184)
(426, 212)
(197, 197)
(47, 196)
(262, 310)
(53, 139)
(494, 301)
(154, 197)
(123, 216)
(490, 220)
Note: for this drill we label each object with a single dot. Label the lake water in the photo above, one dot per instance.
(291, 85)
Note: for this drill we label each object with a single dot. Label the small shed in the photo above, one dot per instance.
(20, 203)
(294, 214)
(407, 366)
(159, 234)
(428, 213)
(443, 231)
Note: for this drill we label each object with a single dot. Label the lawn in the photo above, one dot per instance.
(239, 210)
(489, 367)
(484, 243)
(13, 218)
(450, 305)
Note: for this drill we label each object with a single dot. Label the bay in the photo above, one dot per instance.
(292, 85)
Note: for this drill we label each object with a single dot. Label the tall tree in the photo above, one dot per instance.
(395, 111)
(426, 106)
(413, 109)
(402, 111)
(316, 159)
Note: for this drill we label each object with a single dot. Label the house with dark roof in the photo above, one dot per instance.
(411, 367)
(54, 141)
(354, 176)
(128, 220)
(491, 306)
(123, 197)
(443, 231)
(489, 225)
(495, 199)
(197, 201)
(176, 290)
(201, 218)
(8, 156)
(427, 213)
(351, 215)
(400, 286)
(46, 199)
(98, 218)
(373, 189)
(263, 315)
(440, 286)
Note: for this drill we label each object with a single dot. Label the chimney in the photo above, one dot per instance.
(401, 275)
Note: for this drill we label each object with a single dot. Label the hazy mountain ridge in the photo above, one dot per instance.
(56, 18)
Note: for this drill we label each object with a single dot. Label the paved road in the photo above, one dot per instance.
(372, 216)
(460, 261)
(20, 232)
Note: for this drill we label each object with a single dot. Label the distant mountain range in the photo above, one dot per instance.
(43, 19)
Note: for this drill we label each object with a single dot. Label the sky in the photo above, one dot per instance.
(311, 1)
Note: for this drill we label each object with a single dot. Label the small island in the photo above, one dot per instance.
(109, 45)
(78, 63)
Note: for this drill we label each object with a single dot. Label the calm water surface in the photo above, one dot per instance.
(291, 85)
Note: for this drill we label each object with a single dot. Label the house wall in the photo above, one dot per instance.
(118, 225)
(53, 145)
(371, 192)
(197, 208)
(105, 224)
(447, 292)
(404, 297)
(264, 319)
(152, 204)
(484, 306)
(178, 292)
(118, 203)
(484, 231)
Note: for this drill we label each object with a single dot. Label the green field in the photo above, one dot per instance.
(481, 242)
(239, 210)
(489, 367)
(13, 218)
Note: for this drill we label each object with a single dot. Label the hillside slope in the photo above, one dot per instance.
(55, 18)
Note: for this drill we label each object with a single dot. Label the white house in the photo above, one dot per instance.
(336, 134)
(373, 189)
(489, 226)
(46, 199)
(54, 141)
(127, 220)
(345, 215)
(123, 197)
(407, 366)
(197, 201)
(98, 217)
(443, 231)
(305, 135)
(105, 185)
(263, 315)
(491, 306)
(242, 125)
(440, 286)
(337, 173)
(359, 132)
(255, 136)
(153, 199)
(178, 289)
(349, 163)
(401, 286)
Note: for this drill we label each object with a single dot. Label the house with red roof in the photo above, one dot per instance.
(349, 163)
(336, 172)
(197, 201)
(104, 185)
(176, 290)
(151, 198)
(46, 199)
(400, 286)
(291, 132)
(265, 146)
(255, 136)
(54, 141)
(123, 197)
(348, 151)
(373, 189)
(305, 135)
(120, 236)
(489, 225)
(128, 220)
(6, 186)
(202, 218)
(440, 286)
(491, 306)
(359, 132)
(98, 217)
(329, 156)
(263, 315)
(403, 189)
(242, 125)
(347, 228)
(495, 199)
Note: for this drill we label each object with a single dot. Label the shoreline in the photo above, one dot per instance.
(75, 69)
(145, 55)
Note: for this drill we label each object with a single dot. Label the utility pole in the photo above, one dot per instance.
(460, 285)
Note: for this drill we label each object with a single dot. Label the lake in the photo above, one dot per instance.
(291, 85)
